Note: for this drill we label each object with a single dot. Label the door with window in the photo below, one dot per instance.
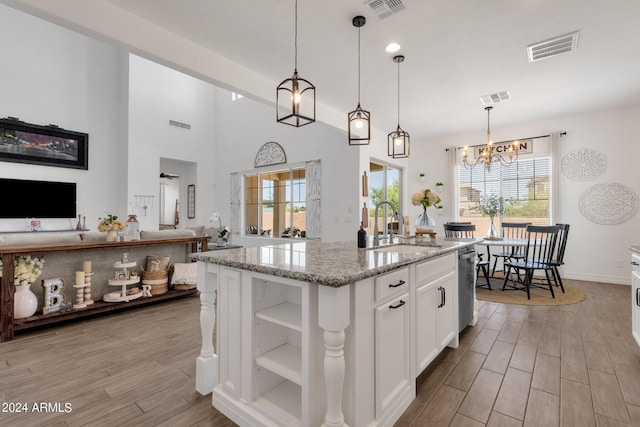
(384, 184)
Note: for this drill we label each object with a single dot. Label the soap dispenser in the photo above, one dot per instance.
(362, 237)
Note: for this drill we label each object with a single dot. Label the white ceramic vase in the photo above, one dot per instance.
(25, 302)
(112, 236)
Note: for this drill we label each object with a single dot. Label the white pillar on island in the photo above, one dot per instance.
(207, 362)
(333, 318)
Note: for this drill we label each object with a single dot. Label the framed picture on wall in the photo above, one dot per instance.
(191, 201)
(49, 145)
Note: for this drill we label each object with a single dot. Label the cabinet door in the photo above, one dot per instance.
(392, 352)
(447, 325)
(427, 345)
(635, 304)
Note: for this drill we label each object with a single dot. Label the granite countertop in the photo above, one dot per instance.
(329, 264)
(635, 248)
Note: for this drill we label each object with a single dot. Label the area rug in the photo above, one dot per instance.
(539, 296)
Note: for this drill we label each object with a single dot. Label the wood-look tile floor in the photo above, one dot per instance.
(571, 365)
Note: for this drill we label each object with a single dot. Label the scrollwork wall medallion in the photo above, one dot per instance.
(608, 203)
(584, 164)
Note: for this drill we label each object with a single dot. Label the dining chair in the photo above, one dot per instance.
(465, 231)
(510, 230)
(559, 256)
(539, 254)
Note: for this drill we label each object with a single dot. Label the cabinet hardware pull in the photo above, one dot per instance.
(638, 297)
(400, 283)
(441, 289)
(400, 304)
(634, 263)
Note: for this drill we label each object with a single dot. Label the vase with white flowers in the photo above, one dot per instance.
(111, 225)
(223, 232)
(426, 198)
(27, 270)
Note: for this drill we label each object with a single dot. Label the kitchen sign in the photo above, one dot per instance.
(524, 146)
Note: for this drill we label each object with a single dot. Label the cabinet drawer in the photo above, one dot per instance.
(392, 284)
(434, 268)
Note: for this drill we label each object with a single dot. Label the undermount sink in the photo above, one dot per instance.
(405, 249)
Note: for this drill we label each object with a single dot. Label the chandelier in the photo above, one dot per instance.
(505, 154)
(295, 96)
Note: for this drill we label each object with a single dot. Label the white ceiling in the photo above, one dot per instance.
(456, 51)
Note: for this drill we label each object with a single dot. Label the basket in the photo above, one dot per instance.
(157, 280)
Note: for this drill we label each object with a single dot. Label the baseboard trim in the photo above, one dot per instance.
(616, 280)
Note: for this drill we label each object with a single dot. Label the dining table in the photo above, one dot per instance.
(506, 243)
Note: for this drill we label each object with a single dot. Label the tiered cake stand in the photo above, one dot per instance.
(123, 295)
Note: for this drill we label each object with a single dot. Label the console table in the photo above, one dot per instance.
(8, 325)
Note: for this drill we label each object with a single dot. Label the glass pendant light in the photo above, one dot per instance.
(398, 140)
(295, 96)
(359, 123)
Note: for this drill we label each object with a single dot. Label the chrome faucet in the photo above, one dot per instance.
(396, 215)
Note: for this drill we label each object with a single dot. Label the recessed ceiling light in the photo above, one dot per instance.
(392, 47)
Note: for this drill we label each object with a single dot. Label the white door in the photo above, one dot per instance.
(427, 346)
(447, 313)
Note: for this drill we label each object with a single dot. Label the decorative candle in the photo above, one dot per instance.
(87, 267)
(79, 277)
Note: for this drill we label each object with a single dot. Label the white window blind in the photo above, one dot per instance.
(526, 183)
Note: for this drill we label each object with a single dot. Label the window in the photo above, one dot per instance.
(276, 203)
(384, 184)
(526, 183)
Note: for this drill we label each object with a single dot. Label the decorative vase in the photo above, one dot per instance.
(112, 235)
(492, 232)
(425, 222)
(221, 242)
(25, 302)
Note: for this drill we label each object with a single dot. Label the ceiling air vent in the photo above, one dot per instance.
(180, 124)
(494, 98)
(553, 47)
(385, 8)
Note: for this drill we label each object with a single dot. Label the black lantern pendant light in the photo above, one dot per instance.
(398, 141)
(359, 124)
(296, 97)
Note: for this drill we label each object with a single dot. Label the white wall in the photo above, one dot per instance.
(53, 75)
(159, 94)
(594, 252)
(243, 126)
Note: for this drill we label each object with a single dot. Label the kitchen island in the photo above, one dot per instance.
(313, 333)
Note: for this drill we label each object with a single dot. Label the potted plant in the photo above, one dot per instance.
(491, 206)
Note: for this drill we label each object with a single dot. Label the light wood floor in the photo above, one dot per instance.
(571, 365)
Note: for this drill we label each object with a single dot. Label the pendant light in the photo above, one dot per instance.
(359, 123)
(488, 155)
(398, 140)
(295, 96)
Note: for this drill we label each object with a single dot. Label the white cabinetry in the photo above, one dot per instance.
(635, 304)
(436, 307)
(392, 341)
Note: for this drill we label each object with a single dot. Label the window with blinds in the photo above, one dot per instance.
(526, 184)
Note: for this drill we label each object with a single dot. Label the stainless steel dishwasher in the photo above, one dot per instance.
(466, 284)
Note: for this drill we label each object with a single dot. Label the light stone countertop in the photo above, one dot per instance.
(635, 248)
(329, 264)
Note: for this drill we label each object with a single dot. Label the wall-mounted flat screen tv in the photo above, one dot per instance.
(37, 199)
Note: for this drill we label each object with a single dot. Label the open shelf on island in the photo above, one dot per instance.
(282, 402)
(285, 361)
(286, 314)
